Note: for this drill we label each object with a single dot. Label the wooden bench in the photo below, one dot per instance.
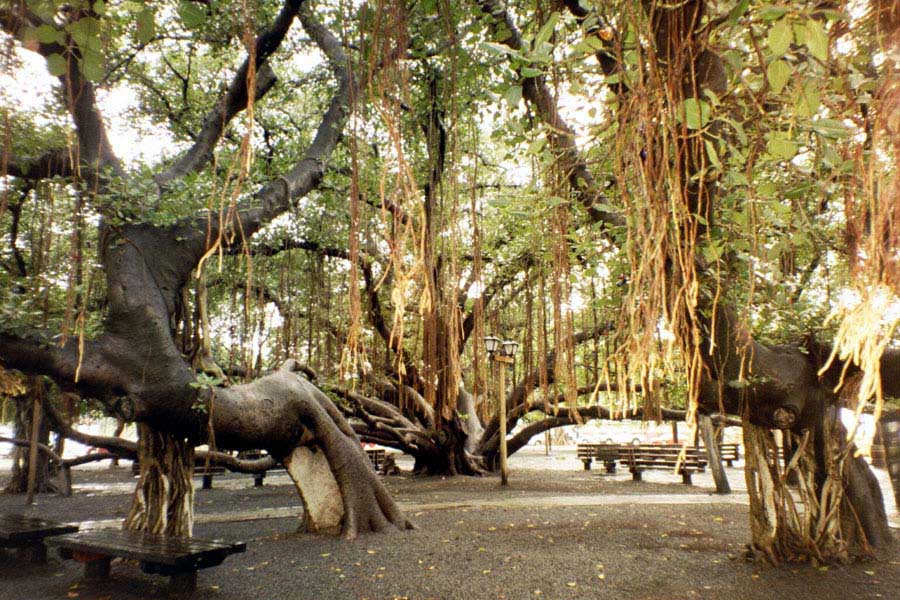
(376, 457)
(199, 470)
(27, 534)
(175, 557)
(664, 457)
(586, 454)
(607, 454)
(730, 453)
(207, 474)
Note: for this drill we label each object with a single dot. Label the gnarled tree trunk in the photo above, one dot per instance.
(163, 500)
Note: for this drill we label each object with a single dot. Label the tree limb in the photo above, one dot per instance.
(235, 99)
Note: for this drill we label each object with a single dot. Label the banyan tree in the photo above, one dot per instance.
(674, 206)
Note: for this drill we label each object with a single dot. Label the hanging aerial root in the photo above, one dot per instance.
(163, 500)
(796, 516)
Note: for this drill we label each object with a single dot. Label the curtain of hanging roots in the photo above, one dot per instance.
(872, 212)
(401, 212)
(661, 167)
(163, 500)
(789, 519)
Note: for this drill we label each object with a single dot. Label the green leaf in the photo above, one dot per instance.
(146, 26)
(86, 33)
(780, 38)
(696, 113)
(770, 13)
(546, 30)
(778, 73)
(713, 155)
(766, 189)
(780, 147)
(56, 64)
(713, 251)
(808, 98)
(191, 15)
(47, 34)
(530, 72)
(513, 94)
(738, 11)
(92, 66)
(537, 145)
(817, 40)
(830, 128)
(500, 50)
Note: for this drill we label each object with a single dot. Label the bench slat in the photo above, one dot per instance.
(19, 528)
(175, 552)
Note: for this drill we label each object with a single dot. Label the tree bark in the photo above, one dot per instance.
(714, 458)
(18, 482)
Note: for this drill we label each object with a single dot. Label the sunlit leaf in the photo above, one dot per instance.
(696, 113)
(781, 147)
(778, 74)
(817, 40)
(808, 98)
(56, 64)
(770, 13)
(513, 95)
(546, 30)
(779, 38)
(191, 14)
(146, 26)
(47, 34)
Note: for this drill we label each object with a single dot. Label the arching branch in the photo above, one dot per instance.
(235, 99)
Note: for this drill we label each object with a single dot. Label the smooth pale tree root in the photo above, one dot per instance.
(331, 471)
(324, 508)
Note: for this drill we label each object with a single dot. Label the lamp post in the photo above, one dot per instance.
(502, 352)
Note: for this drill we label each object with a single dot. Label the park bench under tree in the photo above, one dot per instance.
(28, 534)
(202, 470)
(376, 457)
(176, 557)
(730, 453)
(642, 458)
(588, 453)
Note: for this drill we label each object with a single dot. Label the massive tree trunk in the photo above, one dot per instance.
(135, 367)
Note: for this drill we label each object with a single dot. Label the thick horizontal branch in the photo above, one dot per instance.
(58, 162)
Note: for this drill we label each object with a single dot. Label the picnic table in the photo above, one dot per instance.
(29, 533)
(176, 557)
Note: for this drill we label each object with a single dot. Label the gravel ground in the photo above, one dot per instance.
(557, 532)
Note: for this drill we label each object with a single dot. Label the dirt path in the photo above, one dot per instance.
(555, 533)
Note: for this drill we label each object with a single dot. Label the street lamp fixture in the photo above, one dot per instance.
(502, 352)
